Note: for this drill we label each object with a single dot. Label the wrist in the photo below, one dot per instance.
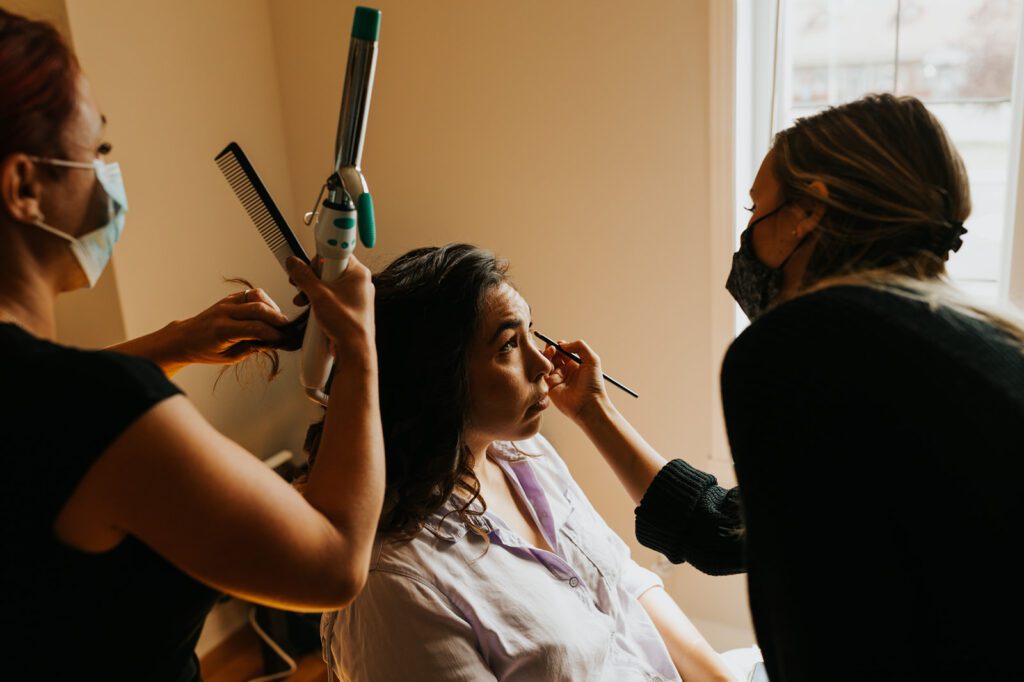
(169, 346)
(159, 347)
(355, 354)
(594, 413)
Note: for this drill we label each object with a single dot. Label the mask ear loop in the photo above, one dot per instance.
(61, 162)
(53, 230)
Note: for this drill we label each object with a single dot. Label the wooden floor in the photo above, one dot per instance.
(238, 659)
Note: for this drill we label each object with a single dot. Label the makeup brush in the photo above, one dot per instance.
(577, 360)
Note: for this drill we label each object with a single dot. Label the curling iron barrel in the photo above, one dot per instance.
(344, 203)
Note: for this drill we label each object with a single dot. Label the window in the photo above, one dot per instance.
(957, 56)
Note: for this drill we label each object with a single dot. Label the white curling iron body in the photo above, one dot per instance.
(344, 207)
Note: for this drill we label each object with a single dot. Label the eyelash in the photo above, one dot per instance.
(749, 209)
(105, 148)
(512, 342)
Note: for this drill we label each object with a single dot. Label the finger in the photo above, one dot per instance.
(259, 295)
(258, 311)
(238, 296)
(554, 378)
(354, 263)
(581, 349)
(253, 330)
(239, 351)
(556, 356)
(354, 269)
(302, 276)
(559, 358)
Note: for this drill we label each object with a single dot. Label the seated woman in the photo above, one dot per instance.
(490, 564)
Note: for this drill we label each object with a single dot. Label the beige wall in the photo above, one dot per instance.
(571, 138)
(178, 80)
(90, 318)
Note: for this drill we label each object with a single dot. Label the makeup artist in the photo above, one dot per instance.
(124, 512)
(875, 416)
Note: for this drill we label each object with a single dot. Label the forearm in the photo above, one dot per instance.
(691, 654)
(347, 482)
(687, 516)
(632, 459)
(158, 346)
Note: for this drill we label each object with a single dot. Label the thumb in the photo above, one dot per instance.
(301, 275)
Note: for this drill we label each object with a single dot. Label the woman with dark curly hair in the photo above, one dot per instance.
(490, 563)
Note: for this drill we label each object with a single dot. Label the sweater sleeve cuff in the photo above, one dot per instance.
(671, 497)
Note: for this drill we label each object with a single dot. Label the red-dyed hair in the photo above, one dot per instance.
(38, 87)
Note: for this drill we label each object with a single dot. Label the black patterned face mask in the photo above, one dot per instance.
(753, 284)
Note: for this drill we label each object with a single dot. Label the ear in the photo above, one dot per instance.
(20, 188)
(811, 211)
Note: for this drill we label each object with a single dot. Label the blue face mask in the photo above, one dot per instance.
(93, 249)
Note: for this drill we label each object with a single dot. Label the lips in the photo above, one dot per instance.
(540, 405)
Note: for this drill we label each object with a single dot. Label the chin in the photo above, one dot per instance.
(531, 428)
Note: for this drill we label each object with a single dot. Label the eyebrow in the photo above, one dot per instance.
(513, 323)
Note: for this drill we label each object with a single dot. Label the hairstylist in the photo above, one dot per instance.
(125, 512)
(875, 416)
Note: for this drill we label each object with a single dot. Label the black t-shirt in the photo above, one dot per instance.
(124, 614)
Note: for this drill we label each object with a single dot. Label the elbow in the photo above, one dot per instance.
(346, 586)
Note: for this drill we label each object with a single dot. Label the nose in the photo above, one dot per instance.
(538, 366)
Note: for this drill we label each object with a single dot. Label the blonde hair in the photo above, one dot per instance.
(897, 198)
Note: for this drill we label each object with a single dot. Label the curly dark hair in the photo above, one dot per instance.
(428, 305)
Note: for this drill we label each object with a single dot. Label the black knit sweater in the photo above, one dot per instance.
(879, 447)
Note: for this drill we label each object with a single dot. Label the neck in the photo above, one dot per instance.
(796, 266)
(478, 459)
(27, 292)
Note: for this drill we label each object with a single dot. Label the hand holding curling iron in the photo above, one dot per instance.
(343, 307)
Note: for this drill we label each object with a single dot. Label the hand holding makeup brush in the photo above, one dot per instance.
(573, 387)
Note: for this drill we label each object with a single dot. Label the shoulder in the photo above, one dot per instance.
(100, 373)
(822, 324)
(410, 575)
(119, 371)
(428, 558)
(829, 311)
(73, 404)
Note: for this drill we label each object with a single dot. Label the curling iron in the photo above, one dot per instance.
(344, 206)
